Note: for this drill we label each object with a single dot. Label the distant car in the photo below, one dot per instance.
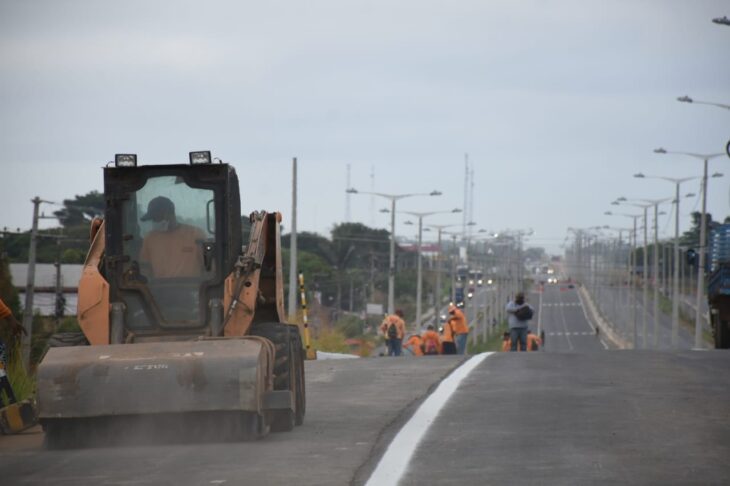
(571, 286)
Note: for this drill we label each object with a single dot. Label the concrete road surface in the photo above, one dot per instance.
(609, 417)
(565, 322)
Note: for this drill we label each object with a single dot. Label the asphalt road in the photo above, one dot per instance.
(565, 322)
(627, 417)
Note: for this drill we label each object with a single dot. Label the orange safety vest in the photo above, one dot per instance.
(431, 337)
(448, 335)
(414, 345)
(399, 325)
(458, 320)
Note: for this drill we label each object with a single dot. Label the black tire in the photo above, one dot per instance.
(288, 370)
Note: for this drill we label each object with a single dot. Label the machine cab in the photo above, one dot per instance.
(172, 235)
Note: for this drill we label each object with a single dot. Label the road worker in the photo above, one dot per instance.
(414, 344)
(393, 328)
(460, 327)
(506, 342)
(448, 346)
(533, 342)
(431, 341)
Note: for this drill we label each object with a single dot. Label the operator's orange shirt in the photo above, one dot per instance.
(174, 253)
(414, 345)
(458, 320)
(4, 310)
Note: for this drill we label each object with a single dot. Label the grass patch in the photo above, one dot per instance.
(331, 341)
(494, 343)
(23, 384)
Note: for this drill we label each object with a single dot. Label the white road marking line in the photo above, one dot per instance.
(394, 463)
(585, 314)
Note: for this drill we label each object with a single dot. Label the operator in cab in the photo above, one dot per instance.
(171, 249)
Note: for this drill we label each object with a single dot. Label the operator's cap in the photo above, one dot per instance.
(157, 208)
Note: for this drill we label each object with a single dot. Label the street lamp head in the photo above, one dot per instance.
(471, 223)
(435, 193)
(409, 222)
(685, 99)
(385, 210)
(608, 213)
(661, 213)
(621, 199)
(660, 150)
(351, 190)
(615, 203)
(717, 174)
(639, 175)
(456, 210)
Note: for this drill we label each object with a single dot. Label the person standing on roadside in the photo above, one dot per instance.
(460, 327)
(394, 329)
(518, 313)
(447, 339)
(7, 318)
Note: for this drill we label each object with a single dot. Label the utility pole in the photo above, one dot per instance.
(30, 285)
(293, 245)
(60, 299)
(465, 220)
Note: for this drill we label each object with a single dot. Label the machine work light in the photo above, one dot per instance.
(125, 160)
(200, 157)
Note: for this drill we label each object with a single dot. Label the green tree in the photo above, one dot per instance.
(81, 209)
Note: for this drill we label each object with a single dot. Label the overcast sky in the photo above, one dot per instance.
(557, 103)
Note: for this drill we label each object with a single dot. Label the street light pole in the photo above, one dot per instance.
(391, 267)
(675, 284)
(655, 266)
(437, 290)
(703, 238)
(419, 276)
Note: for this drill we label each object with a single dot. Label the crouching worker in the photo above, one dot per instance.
(431, 341)
(414, 345)
(533, 342)
(506, 343)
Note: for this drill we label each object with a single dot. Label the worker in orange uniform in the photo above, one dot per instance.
(414, 344)
(7, 318)
(460, 328)
(506, 342)
(533, 342)
(171, 249)
(394, 329)
(431, 341)
(448, 346)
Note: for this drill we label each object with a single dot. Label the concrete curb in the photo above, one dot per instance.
(605, 326)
